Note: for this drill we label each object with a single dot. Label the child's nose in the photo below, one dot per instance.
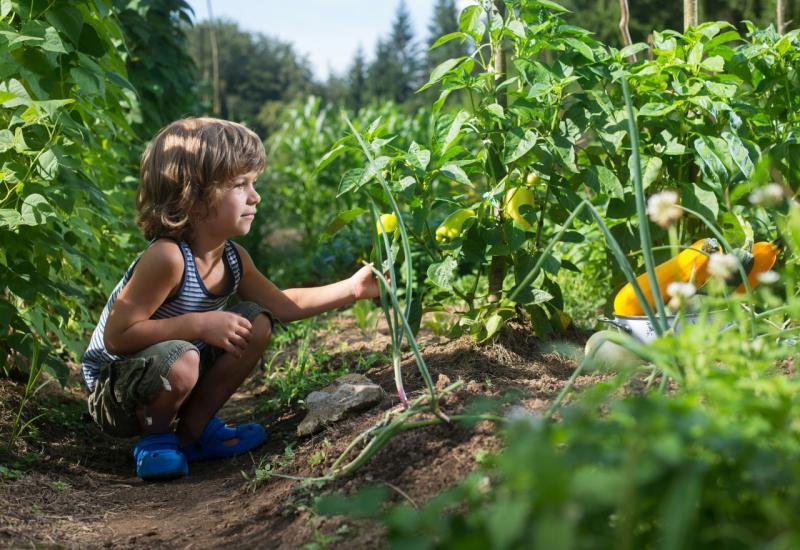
(255, 198)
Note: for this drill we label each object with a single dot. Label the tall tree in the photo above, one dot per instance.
(357, 91)
(394, 74)
(444, 21)
(254, 69)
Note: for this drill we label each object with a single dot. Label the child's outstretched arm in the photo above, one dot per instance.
(157, 275)
(298, 303)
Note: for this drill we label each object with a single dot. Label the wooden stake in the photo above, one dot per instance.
(624, 18)
(497, 268)
(779, 8)
(689, 14)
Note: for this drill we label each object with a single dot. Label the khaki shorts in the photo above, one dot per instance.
(133, 381)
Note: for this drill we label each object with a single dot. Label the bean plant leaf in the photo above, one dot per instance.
(441, 70)
(701, 200)
(443, 273)
(35, 210)
(600, 178)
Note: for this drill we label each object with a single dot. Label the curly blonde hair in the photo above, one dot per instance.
(190, 162)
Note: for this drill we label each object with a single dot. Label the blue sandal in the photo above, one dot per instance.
(211, 443)
(158, 457)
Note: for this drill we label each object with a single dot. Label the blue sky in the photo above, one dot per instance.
(327, 31)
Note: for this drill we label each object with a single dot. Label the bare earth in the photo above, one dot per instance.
(81, 490)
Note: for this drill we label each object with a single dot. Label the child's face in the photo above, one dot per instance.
(234, 212)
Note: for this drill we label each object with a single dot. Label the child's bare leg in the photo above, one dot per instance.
(220, 382)
(182, 378)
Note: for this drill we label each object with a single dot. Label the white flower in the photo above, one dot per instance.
(663, 208)
(768, 277)
(722, 265)
(680, 294)
(769, 195)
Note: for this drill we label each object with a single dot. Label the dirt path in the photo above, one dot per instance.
(81, 491)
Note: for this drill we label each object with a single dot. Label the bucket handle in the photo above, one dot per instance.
(614, 323)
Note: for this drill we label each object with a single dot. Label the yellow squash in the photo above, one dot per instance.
(689, 263)
(764, 255)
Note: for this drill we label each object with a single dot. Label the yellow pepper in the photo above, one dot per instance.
(389, 222)
(515, 199)
(452, 226)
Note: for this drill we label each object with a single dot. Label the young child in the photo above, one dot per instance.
(166, 354)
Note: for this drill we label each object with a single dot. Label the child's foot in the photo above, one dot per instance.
(158, 457)
(221, 441)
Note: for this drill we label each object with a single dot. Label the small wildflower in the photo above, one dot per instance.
(768, 277)
(679, 294)
(663, 208)
(769, 195)
(722, 265)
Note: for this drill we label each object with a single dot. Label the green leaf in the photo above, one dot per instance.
(715, 64)
(330, 156)
(10, 218)
(552, 5)
(443, 273)
(496, 110)
(517, 28)
(601, 178)
(739, 154)
(455, 172)
(695, 54)
(709, 160)
(418, 158)
(581, 47)
(651, 168)
(5, 8)
(470, 23)
(440, 70)
(447, 38)
(350, 180)
(518, 142)
(52, 41)
(36, 210)
(6, 140)
(700, 200)
(633, 49)
(657, 109)
(342, 219)
(452, 134)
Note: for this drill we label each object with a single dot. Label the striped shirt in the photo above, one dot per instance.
(192, 297)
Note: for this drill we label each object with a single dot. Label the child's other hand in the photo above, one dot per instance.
(225, 330)
(365, 285)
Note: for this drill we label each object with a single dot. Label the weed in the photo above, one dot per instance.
(32, 387)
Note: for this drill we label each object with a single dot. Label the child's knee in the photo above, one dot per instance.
(261, 332)
(184, 373)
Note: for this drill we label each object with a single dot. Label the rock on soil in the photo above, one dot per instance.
(348, 394)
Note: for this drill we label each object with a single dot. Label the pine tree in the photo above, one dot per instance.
(443, 22)
(407, 64)
(357, 91)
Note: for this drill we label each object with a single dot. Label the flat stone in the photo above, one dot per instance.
(347, 394)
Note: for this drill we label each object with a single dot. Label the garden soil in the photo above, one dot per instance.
(76, 487)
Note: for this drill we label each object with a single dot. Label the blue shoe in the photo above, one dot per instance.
(158, 458)
(211, 443)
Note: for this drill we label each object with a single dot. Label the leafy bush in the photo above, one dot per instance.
(69, 160)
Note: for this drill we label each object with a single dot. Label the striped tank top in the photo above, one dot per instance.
(192, 297)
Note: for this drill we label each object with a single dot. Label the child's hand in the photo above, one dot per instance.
(225, 330)
(365, 285)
